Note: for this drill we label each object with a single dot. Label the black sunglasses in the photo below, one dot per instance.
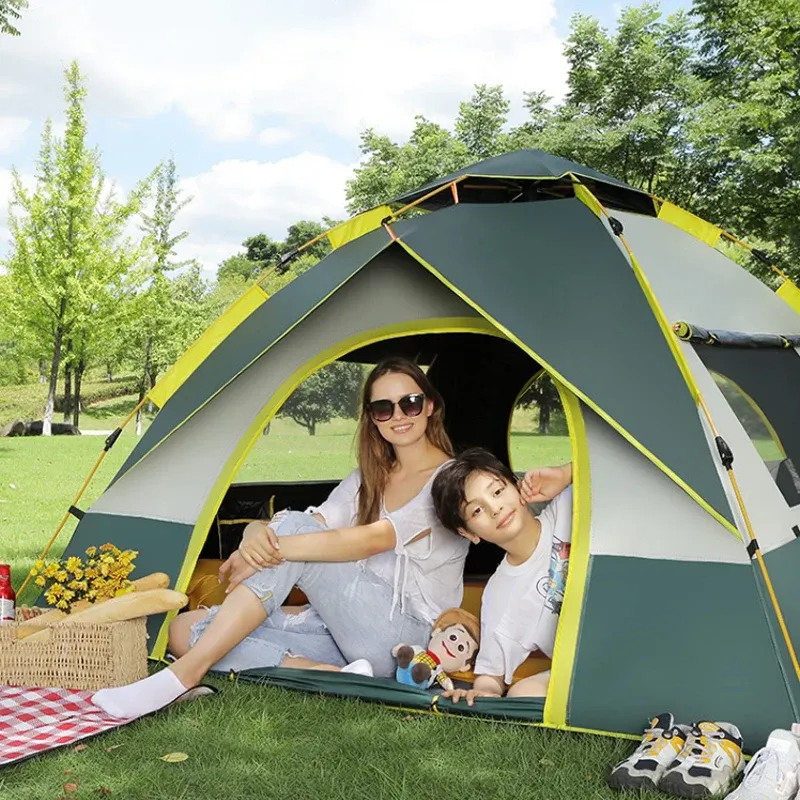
(411, 405)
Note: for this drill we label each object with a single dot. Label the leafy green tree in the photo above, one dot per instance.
(332, 391)
(304, 231)
(238, 268)
(747, 133)
(66, 236)
(480, 122)
(543, 396)
(9, 15)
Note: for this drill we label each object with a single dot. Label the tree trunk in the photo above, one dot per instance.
(76, 409)
(67, 389)
(544, 417)
(312, 427)
(55, 364)
(143, 384)
(42, 371)
(109, 375)
(153, 378)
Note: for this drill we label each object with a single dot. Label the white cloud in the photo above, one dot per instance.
(337, 65)
(12, 129)
(270, 137)
(236, 199)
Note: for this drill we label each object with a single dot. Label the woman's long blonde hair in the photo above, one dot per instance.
(375, 455)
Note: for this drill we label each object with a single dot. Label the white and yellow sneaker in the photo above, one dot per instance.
(708, 763)
(661, 743)
(772, 773)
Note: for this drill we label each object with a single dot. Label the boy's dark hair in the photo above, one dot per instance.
(448, 485)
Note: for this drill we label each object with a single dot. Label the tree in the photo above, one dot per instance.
(304, 231)
(747, 134)
(332, 391)
(542, 395)
(65, 236)
(481, 120)
(9, 14)
(238, 268)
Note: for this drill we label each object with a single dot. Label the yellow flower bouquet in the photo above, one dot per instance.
(103, 574)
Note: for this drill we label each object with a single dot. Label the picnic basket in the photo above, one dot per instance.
(74, 656)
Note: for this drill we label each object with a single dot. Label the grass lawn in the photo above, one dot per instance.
(258, 743)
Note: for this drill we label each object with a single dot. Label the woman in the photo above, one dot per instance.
(374, 561)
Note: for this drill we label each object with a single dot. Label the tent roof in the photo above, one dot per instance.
(516, 172)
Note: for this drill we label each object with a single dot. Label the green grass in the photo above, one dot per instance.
(250, 742)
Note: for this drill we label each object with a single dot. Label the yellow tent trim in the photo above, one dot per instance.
(788, 292)
(588, 199)
(218, 331)
(556, 704)
(691, 224)
(589, 402)
(357, 226)
(236, 459)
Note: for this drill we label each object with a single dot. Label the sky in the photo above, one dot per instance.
(261, 102)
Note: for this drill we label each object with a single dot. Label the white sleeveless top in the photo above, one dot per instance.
(427, 575)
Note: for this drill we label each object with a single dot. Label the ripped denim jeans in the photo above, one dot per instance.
(348, 617)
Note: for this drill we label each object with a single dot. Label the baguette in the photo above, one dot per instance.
(156, 580)
(124, 607)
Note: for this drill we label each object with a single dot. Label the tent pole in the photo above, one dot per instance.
(108, 445)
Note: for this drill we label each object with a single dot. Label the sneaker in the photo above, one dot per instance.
(709, 762)
(643, 768)
(772, 773)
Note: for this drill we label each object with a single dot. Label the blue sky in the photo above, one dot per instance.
(261, 102)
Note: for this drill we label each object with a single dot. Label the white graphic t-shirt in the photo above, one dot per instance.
(521, 604)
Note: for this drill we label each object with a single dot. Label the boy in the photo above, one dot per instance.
(478, 497)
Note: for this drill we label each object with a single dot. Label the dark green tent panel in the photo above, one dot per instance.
(268, 323)
(584, 314)
(161, 545)
(679, 636)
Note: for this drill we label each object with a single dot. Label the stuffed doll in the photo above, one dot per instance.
(453, 647)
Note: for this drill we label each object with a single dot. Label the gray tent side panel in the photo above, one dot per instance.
(682, 636)
(695, 283)
(175, 479)
(552, 275)
(161, 545)
(256, 333)
(626, 488)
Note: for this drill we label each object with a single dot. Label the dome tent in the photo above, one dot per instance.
(523, 263)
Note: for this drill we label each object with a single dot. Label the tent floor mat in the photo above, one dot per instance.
(390, 693)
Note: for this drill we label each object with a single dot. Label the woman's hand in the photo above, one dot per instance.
(235, 570)
(544, 483)
(259, 547)
(469, 694)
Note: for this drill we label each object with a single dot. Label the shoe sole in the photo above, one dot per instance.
(624, 782)
(675, 785)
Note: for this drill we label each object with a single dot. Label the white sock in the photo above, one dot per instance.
(142, 697)
(359, 667)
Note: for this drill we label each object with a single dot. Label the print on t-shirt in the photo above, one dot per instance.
(552, 585)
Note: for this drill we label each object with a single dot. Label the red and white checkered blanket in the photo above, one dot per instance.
(35, 720)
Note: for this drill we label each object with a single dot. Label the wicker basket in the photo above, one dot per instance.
(75, 656)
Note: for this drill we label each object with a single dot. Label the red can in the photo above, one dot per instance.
(8, 598)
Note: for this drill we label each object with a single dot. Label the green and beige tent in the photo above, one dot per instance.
(680, 378)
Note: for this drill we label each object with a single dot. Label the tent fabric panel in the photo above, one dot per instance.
(690, 223)
(395, 289)
(688, 637)
(256, 333)
(521, 163)
(770, 516)
(789, 293)
(161, 546)
(392, 693)
(696, 283)
(198, 351)
(638, 511)
(357, 226)
(613, 350)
